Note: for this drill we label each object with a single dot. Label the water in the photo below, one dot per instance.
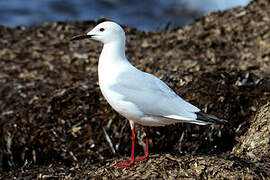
(143, 14)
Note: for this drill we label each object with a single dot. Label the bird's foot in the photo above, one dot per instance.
(125, 164)
(129, 163)
(142, 158)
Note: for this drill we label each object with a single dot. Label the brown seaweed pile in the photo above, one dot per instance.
(54, 122)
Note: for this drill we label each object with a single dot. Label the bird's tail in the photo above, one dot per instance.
(208, 118)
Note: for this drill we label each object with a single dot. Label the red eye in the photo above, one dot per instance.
(101, 29)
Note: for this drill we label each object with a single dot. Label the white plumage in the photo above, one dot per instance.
(140, 97)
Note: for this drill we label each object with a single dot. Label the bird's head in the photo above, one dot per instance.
(105, 32)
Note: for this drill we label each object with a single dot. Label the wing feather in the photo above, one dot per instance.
(152, 96)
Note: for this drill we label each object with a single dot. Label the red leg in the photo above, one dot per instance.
(132, 157)
(147, 146)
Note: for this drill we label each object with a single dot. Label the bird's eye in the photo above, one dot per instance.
(101, 29)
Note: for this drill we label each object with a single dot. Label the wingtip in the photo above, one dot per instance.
(210, 118)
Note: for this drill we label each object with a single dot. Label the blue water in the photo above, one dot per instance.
(142, 14)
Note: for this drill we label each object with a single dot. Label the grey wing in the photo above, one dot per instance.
(153, 97)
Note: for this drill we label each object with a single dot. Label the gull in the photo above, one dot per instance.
(140, 97)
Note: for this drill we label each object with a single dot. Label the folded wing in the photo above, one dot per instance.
(153, 97)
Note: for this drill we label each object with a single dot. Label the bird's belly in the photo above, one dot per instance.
(130, 111)
(125, 108)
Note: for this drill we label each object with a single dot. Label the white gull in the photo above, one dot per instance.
(140, 97)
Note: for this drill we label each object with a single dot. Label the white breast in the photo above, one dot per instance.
(107, 76)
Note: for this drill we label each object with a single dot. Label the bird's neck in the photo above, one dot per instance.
(114, 51)
(112, 59)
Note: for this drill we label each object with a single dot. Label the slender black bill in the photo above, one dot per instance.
(81, 36)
